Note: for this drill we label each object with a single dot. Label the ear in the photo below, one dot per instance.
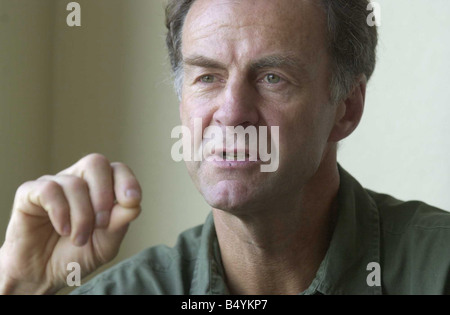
(349, 111)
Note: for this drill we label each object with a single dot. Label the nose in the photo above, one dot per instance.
(237, 105)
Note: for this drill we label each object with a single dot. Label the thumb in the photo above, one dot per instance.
(108, 240)
(121, 217)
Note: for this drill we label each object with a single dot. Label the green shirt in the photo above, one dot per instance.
(408, 240)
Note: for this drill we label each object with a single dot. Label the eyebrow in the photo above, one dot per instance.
(204, 62)
(281, 61)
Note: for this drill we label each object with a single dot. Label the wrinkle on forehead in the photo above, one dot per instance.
(236, 29)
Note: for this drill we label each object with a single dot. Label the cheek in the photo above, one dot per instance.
(197, 116)
(297, 126)
(191, 111)
(304, 131)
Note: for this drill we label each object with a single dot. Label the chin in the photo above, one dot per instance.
(229, 196)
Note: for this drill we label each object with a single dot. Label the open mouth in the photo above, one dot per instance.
(235, 156)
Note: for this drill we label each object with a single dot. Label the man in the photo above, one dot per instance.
(307, 227)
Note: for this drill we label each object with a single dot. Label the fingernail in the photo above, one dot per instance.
(102, 219)
(66, 229)
(81, 239)
(133, 193)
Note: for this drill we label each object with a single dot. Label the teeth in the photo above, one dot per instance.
(235, 156)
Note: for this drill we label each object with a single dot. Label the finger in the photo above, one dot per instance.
(99, 178)
(112, 236)
(127, 189)
(45, 197)
(81, 212)
(121, 217)
(96, 170)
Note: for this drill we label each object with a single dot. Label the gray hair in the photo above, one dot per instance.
(352, 42)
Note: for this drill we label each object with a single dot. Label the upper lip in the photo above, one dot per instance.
(222, 152)
(225, 151)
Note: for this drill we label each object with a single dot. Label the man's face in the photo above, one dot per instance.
(257, 63)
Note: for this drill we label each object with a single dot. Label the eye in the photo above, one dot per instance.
(272, 78)
(207, 79)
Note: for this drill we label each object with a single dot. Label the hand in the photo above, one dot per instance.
(80, 215)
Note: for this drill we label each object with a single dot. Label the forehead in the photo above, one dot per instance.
(236, 29)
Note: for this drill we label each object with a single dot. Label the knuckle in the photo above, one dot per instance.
(23, 188)
(48, 187)
(95, 160)
(75, 183)
(118, 164)
(42, 190)
(45, 177)
(105, 199)
(22, 192)
(124, 167)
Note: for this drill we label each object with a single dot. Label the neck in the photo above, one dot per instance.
(279, 249)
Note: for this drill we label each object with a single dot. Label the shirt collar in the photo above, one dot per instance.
(355, 244)
(209, 274)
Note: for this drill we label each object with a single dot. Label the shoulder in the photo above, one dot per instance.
(415, 251)
(399, 216)
(156, 270)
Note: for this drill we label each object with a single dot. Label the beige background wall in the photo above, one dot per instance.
(113, 95)
(403, 143)
(105, 87)
(26, 29)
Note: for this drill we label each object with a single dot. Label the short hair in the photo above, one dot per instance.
(352, 42)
